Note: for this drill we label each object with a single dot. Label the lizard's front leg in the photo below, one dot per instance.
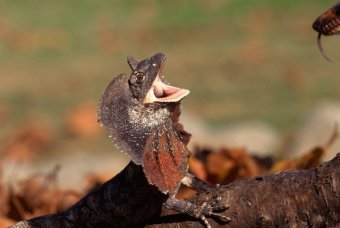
(194, 183)
(198, 211)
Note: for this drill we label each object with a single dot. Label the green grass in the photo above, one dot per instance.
(241, 59)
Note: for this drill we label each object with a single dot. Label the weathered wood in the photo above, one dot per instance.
(306, 198)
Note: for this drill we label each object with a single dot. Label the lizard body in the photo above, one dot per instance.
(141, 114)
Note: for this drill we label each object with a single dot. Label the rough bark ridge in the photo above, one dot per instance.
(308, 198)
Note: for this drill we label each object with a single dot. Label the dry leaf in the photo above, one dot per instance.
(82, 121)
(27, 141)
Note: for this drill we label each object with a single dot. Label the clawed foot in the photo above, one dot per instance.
(211, 210)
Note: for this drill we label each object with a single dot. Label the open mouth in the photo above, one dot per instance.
(161, 92)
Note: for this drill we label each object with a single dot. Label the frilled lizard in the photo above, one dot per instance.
(141, 114)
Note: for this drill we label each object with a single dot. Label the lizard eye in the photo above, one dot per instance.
(140, 77)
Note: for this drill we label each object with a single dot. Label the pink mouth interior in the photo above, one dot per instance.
(161, 92)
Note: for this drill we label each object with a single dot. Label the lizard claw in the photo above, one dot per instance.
(206, 208)
(218, 208)
(211, 210)
(223, 218)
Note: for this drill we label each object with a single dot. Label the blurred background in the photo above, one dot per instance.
(256, 76)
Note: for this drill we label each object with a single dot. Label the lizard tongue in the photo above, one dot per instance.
(160, 92)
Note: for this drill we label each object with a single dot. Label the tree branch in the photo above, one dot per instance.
(306, 198)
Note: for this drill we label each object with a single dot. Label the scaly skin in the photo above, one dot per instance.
(141, 115)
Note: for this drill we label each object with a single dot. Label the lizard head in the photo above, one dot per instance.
(146, 84)
(133, 106)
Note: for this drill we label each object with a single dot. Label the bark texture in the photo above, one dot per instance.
(307, 198)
